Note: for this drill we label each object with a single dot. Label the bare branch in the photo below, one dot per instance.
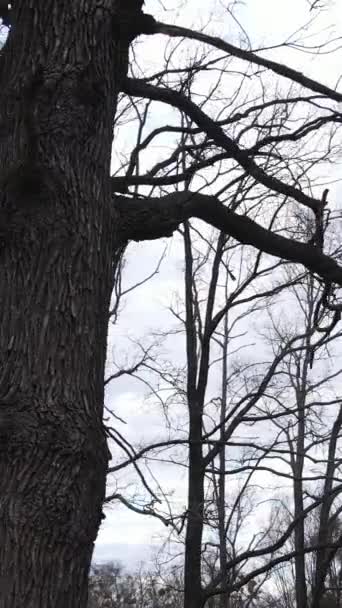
(250, 56)
(139, 88)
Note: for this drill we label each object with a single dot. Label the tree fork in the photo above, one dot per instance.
(152, 218)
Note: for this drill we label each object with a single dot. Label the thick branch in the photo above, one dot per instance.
(146, 219)
(139, 88)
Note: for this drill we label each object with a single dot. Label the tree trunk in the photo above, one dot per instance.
(324, 555)
(299, 532)
(300, 574)
(59, 73)
(193, 595)
(223, 599)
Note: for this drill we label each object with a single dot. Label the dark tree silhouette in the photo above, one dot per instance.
(62, 225)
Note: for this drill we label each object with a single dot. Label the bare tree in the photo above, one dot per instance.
(308, 420)
(112, 587)
(62, 223)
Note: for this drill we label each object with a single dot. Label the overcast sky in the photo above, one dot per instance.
(124, 535)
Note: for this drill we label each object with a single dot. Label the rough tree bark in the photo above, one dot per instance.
(60, 73)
